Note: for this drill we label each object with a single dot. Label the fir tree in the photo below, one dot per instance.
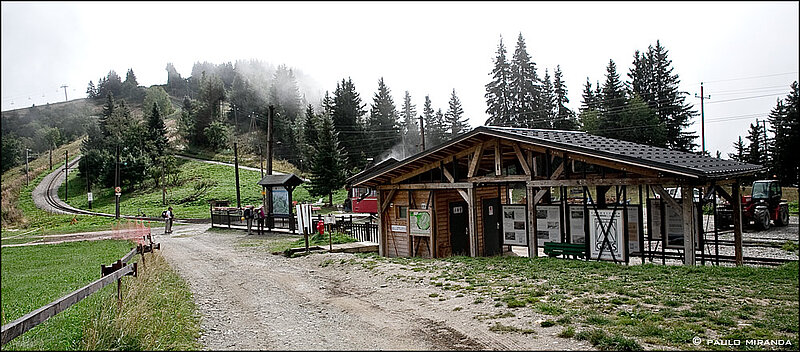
(755, 150)
(91, 91)
(523, 87)
(498, 94)
(741, 151)
(565, 117)
(612, 103)
(454, 118)
(327, 164)
(347, 113)
(547, 104)
(409, 127)
(382, 125)
(589, 99)
(785, 124)
(640, 124)
(443, 129)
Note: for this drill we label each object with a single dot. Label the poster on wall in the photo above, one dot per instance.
(548, 224)
(633, 229)
(515, 225)
(419, 222)
(600, 223)
(280, 201)
(576, 225)
(674, 225)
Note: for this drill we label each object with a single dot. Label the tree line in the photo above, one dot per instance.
(779, 154)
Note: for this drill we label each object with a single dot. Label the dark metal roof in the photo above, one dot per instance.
(291, 180)
(373, 169)
(576, 143)
(659, 158)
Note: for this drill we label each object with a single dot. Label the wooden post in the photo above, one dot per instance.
(533, 246)
(687, 193)
(737, 222)
(381, 233)
(473, 221)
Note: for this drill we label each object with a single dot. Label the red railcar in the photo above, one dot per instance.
(364, 200)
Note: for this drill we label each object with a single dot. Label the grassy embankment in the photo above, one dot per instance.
(623, 307)
(36, 275)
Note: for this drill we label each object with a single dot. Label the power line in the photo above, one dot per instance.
(752, 77)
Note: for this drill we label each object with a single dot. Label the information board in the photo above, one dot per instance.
(515, 224)
(614, 247)
(548, 224)
(419, 222)
(280, 201)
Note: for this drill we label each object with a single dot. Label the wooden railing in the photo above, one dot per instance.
(111, 273)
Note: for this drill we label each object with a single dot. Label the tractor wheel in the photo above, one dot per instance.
(763, 222)
(783, 216)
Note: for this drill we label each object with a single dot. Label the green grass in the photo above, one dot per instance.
(663, 305)
(148, 199)
(36, 275)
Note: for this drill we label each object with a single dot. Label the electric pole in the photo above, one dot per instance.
(268, 196)
(116, 185)
(51, 158)
(65, 92)
(702, 116)
(236, 165)
(88, 187)
(422, 131)
(66, 176)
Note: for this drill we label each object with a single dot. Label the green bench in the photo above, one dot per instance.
(576, 250)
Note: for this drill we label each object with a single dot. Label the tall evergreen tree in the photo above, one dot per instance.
(91, 91)
(498, 94)
(434, 124)
(653, 79)
(564, 117)
(640, 124)
(383, 126)
(589, 99)
(547, 104)
(755, 150)
(785, 124)
(284, 95)
(310, 134)
(454, 117)
(409, 128)
(347, 113)
(741, 151)
(612, 103)
(327, 163)
(444, 129)
(523, 87)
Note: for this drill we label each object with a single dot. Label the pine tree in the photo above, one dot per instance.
(640, 124)
(444, 130)
(755, 150)
(652, 77)
(454, 118)
(523, 87)
(498, 94)
(741, 151)
(347, 112)
(108, 110)
(564, 117)
(612, 103)
(547, 104)
(91, 91)
(284, 95)
(589, 99)
(785, 124)
(409, 127)
(327, 163)
(382, 126)
(157, 133)
(310, 134)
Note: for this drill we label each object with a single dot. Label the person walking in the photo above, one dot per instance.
(168, 216)
(248, 216)
(261, 217)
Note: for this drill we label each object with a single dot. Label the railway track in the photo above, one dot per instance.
(52, 200)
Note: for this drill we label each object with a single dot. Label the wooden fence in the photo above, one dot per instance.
(109, 274)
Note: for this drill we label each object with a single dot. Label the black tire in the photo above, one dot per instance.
(763, 222)
(783, 216)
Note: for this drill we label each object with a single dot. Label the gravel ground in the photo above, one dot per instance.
(250, 299)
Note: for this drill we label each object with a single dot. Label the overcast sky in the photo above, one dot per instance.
(745, 52)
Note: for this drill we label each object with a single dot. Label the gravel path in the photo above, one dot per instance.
(250, 299)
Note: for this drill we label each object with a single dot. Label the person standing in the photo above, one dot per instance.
(168, 216)
(248, 216)
(261, 217)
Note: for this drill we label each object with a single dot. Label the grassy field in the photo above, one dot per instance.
(192, 173)
(626, 307)
(157, 314)
(36, 275)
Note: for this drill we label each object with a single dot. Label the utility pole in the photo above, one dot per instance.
(268, 196)
(702, 116)
(235, 119)
(236, 165)
(88, 187)
(422, 131)
(65, 92)
(116, 185)
(26, 166)
(51, 158)
(66, 176)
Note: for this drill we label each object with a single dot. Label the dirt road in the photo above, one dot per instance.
(250, 299)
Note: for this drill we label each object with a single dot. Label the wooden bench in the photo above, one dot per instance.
(576, 250)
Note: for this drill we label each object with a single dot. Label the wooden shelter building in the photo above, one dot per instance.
(494, 187)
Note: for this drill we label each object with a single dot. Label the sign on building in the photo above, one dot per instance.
(606, 235)
(548, 224)
(515, 224)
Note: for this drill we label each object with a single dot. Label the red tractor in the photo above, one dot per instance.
(764, 205)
